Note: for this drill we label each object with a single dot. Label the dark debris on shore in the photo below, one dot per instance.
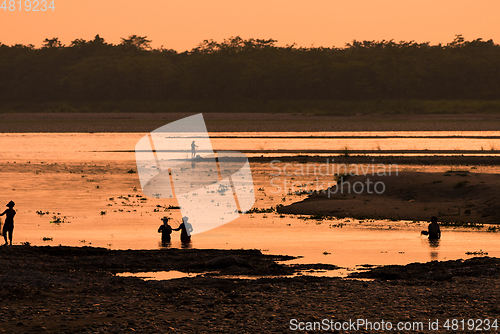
(435, 270)
(75, 290)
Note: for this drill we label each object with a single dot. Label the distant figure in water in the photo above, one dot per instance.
(8, 227)
(433, 230)
(185, 229)
(165, 230)
(193, 149)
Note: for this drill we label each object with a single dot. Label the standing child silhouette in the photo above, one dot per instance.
(8, 227)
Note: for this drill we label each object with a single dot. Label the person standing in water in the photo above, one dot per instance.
(193, 149)
(185, 229)
(433, 230)
(8, 227)
(165, 230)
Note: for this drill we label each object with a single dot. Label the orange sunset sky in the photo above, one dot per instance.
(182, 25)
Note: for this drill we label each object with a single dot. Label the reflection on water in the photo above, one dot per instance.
(159, 275)
(186, 245)
(434, 243)
(69, 175)
(164, 245)
(58, 147)
(174, 274)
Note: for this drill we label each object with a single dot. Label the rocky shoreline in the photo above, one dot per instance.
(75, 289)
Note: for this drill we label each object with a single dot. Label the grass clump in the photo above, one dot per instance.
(263, 210)
(461, 224)
(59, 220)
(479, 252)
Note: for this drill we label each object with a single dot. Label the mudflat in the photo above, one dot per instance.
(246, 122)
(75, 289)
(452, 196)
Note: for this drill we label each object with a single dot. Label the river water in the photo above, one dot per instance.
(84, 194)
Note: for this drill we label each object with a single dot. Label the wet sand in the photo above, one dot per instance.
(452, 196)
(63, 289)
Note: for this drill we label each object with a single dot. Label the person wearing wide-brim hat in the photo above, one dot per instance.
(165, 230)
(8, 227)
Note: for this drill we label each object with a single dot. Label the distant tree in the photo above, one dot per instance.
(78, 42)
(233, 45)
(135, 42)
(98, 40)
(253, 69)
(52, 43)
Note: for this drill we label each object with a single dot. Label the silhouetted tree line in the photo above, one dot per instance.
(238, 69)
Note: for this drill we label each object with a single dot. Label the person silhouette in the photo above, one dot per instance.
(185, 229)
(433, 230)
(8, 227)
(193, 149)
(165, 230)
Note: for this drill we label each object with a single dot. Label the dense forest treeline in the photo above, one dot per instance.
(248, 70)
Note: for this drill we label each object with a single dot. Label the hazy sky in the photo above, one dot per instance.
(182, 25)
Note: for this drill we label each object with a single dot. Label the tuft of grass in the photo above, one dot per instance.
(264, 210)
(58, 220)
(493, 229)
(461, 224)
(479, 252)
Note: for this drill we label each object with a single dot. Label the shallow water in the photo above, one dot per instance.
(82, 179)
(59, 147)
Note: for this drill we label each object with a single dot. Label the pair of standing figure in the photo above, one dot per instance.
(166, 230)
